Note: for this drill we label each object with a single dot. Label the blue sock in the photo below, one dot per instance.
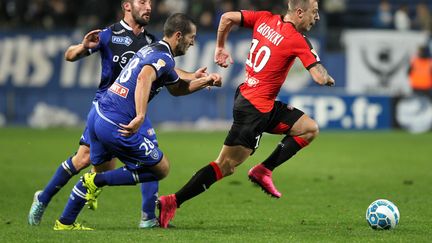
(149, 192)
(63, 174)
(74, 205)
(123, 176)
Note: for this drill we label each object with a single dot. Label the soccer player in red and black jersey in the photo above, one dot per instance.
(277, 42)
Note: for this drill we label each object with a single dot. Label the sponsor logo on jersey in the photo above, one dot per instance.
(124, 58)
(160, 64)
(251, 82)
(121, 40)
(119, 90)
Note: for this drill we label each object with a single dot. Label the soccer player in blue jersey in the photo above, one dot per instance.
(116, 45)
(114, 125)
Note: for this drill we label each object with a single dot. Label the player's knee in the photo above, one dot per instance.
(81, 161)
(312, 131)
(162, 169)
(162, 173)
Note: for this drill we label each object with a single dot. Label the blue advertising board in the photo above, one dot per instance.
(345, 111)
(38, 87)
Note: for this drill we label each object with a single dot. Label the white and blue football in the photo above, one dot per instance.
(382, 214)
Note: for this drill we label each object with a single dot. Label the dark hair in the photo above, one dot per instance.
(125, 1)
(178, 22)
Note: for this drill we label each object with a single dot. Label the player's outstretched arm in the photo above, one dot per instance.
(228, 20)
(321, 76)
(142, 94)
(185, 87)
(201, 72)
(76, 52)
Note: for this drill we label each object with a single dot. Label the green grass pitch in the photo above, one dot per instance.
(326, 190)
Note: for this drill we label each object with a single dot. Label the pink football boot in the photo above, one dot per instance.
(262, 176)
(167, 208)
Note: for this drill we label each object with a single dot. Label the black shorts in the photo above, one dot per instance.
(249, 123)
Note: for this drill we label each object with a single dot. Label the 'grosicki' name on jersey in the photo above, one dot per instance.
(275, 46)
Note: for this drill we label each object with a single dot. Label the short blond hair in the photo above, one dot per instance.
(294, 4)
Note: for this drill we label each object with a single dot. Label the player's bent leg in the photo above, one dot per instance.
(94, 182)
(64, 173)
(230, 157)
(303, 131)
(81, 159)
(305, 128)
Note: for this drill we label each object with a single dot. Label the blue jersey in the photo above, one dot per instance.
(118, 104)
(117, 45)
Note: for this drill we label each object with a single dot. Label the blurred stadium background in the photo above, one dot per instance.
(366, 49)
(327, 189)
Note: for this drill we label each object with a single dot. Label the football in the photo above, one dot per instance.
(382, 214)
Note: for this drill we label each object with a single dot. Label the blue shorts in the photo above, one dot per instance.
(136, 151)
(146, 129)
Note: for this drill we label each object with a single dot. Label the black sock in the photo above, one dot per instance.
(286, 149)
(201, 181)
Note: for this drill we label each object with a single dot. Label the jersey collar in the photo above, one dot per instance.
(126, 26)
(167, 45)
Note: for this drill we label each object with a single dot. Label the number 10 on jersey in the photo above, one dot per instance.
(255, 62)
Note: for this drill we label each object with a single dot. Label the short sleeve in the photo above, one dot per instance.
(304, 50)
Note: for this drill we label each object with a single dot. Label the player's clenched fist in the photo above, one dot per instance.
(215, 79)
